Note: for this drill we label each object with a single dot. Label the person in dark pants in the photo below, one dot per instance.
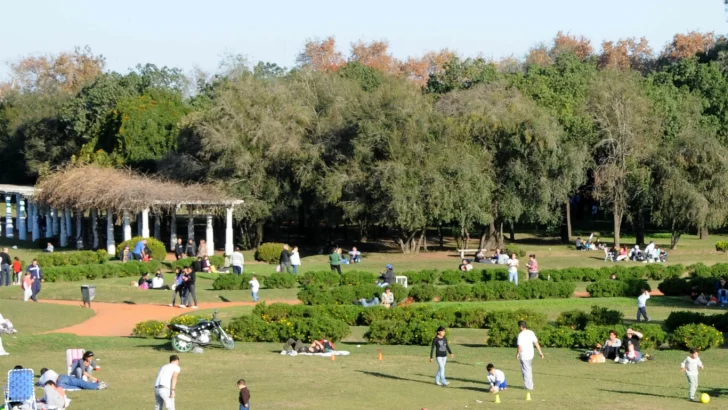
(335, 260)
(179, 249)
(37, 275)
(190, 287)
(285, 259)
(191, 249)
(5, 267)
(197, 265)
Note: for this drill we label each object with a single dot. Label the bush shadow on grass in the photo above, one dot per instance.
(392, 377)
(639, 393)
(715, 391)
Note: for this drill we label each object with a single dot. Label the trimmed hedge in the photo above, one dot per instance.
(494, 291)
(254, 329)
(279, 281)
(216, 260)
(682, 318)
(159, 251)
(721, 246)
(48, 260)
(269, 252)
(683, 286)
(99, 271)
(617, 288)
(346, 295)
(578, 319)
(560, 336)
(699, 336)
(232, 282)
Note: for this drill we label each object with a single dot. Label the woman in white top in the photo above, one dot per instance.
(295, 259)
(513, 269)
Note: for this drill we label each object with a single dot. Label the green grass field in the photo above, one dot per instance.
(403, 380)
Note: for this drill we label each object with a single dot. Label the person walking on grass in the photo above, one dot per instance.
(5, 263)
(237, 260)
(526, 341)
(285, 259)
(254, 288)
(244, 396)
(513, 269)
(532, 267)
(166, 383)
(37, 275)
(441, 348)
(295, 259)
(335, 260)
(27, 286)
(690, 366)
(642, 305)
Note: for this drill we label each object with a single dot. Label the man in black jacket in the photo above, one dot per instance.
(190, 287)
(191, 249)
(179, 249)
(5, 267)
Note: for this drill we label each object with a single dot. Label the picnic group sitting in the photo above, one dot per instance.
(499, 257)
(387, 300)
(700, 298)
(465, 265)
(610, 350)
(157, 283)
(589, 244)
(294, 347)
(651, 253)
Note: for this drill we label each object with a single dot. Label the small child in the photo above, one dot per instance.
(27, 286)
(254, 287)
(496, 378)
(631, 355)
(244, 397)
(17, 268)
(443, 348)
(690, 366)
(642, 305)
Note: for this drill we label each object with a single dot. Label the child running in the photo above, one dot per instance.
(496, 378)
(443, 348)
(254, 288)
(642, 305)
(244, 397)
(690, 366)
(27, 286)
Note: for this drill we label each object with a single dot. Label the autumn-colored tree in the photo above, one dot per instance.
(539, 55)
(689, 44)
(321, 55)
(66, 72)
(567, 43)
(420, 69)
(375, 55)
(626, 53)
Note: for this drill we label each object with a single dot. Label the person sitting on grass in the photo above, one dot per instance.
(387, 278)
(126, 255)
(145, 282)
(596, 356)
(611, 346)
(631, 338)
(158, 281)
(54, 397)
(496, 378)
(138, 252)
(636, 254)
(355, 255)
(317, 346)
(206, 263)
(465, 265)
(721, 291)
(49, 248)
(503, 258)
(623, 255)
(631, 355)
(388, 298)
(480, 256)
(496, 255)
(368, 303)
(579, 244)
(84, 367)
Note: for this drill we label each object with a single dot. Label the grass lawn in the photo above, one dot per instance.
(30, 317)
(403, 380)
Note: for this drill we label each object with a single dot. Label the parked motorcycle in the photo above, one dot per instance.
(201, 334)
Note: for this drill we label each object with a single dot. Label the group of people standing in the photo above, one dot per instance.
(184, 287)
(289, 260)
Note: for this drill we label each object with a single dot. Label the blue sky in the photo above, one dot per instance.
(188, 34)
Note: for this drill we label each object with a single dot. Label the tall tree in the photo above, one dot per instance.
(321, 55)
(375, 55)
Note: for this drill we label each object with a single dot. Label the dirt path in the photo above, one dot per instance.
(119, 319)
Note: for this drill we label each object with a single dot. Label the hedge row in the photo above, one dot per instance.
(617, 288)
(254, 329)
(683, 286)
(48, 260)
(99, 271)
(501, 290)
(682, 318)
(216, 260)
(346, 295)
(235, 282)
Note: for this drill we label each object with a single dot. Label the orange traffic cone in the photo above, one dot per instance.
(379, 356)
(333, 357)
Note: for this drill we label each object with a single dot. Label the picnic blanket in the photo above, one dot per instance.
(327, 354)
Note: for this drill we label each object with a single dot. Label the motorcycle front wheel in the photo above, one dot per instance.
(227, 341)
(181, 346)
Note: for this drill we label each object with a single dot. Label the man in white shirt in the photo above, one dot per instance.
(526, 341)
(166, 383)
(237, 260)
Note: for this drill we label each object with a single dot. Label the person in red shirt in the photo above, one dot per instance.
(17, 268)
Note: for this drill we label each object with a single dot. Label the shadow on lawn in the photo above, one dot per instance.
(639, 393)
(389, 376)
(716, 391)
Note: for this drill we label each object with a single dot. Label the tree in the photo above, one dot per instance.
(460, 74)
(688, 45)
(420, 69)
(626, 53)
(375, 55)
(626, 127)
(321, 55)
(66, 72)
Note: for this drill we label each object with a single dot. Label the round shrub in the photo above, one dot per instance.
(573, 319)
(511, 249)
(721, 246)
(423, 293)
(457, 293)
(699, 336)
(227, 282)
(159, 251)
(280, 281)
(326, 277)
(269, 252)
(451, 277)
(150, 329)
(428, 276)
(617, 288)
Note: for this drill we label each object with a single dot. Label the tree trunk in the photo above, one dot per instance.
(512, 232)
(566, 225)
(674, 239)
(406, 242)
(423, 243)
(703, 232)
(640, 228)
(483, 238)
(617, 227)
(442, 238)
(495, 235)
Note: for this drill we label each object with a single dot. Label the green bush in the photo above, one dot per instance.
(357, 278)
(559, 337)
(215, 260)
(721, 246)
(429, 276)
(457, 293)
(279, 281)
(99, 271)
(326, 277)
(451, 277)
(573, 319)
(341, 295)
(602, 316)
(48, 260)
(617, 288)
(504, 326)
(269, 252)
(423, 293)
(150, 329)
(398, 332)
(159, 251)
(675, 286)
(681, 318)
(227, 282)
(511, 249)
(251, 328)
(699, 336)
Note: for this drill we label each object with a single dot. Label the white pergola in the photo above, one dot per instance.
(60, 221)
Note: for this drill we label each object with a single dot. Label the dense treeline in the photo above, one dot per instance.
(375, 142)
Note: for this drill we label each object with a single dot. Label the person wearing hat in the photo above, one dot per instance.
(84, 367)
(631, 338)
(387, 278)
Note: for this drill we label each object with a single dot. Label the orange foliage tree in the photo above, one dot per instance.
(375, 55)
(419, 69)
(626, 53)
(689, 44)
(66, 72)
(321, 55)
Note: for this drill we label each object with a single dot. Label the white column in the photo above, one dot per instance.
(145, 223)
(79, 230)
(64, 237)
(69, 222)
(157, 227)
(125, 224)
(35, 233)
(22, 229)
(94, 228)
(173, 230)
(49, 223)
(191, 226)
(110, 244)
(209, 236)
(9, 230)
(229, 231)
(54, 219)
